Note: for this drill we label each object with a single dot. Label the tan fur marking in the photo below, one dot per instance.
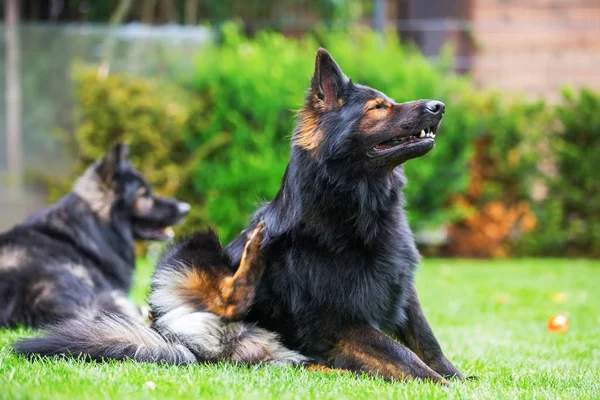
(238, 291)
(369, 350)
(81, 272)
(229, 297)
(373, 123)
(308, 136)
(143, 205)
(100, 197)
(371, 104)
(201, 288)
(375, 119)
(373, 364)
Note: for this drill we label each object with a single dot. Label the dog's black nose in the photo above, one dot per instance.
(183, 208)
(435, 107)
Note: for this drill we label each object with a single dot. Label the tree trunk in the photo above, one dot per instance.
(191, 12)
(13, 94)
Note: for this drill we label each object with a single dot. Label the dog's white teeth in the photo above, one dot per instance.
(433, 135)
(169, 232)
(422, 133)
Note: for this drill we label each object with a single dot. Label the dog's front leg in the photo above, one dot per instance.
(366, 349)
(238, 291)
(416, 333)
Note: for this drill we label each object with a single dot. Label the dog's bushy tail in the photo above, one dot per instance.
(106, 336)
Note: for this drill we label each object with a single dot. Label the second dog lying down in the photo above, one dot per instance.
(77, 256)
(195, 299)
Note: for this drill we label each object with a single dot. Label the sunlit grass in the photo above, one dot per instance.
(490, 317)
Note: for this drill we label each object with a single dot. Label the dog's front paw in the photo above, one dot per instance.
(255, 237)
(445, 368)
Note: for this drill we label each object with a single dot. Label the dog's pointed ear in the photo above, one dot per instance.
(329, 81)
(114, 160)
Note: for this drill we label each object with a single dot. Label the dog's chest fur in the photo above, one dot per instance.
(361, 284)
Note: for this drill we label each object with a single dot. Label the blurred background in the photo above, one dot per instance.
(205, 91)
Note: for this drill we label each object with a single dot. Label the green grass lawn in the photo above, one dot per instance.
(490, 317)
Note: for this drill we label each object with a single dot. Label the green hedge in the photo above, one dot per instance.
(569, 210)
(156, 118)
(220, 140)
(254, 86)
(239, 110)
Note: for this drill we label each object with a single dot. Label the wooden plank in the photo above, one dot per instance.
(589, 13)
(545, 39)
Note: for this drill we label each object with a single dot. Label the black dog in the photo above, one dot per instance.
(77, 256)
(339, 275)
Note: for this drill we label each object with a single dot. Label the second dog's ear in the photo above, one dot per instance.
(328, 81)
(113, 161)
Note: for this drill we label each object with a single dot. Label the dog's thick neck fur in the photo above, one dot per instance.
(109, 244)
(319, 198)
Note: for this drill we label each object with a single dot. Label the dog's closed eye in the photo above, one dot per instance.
(376, 104)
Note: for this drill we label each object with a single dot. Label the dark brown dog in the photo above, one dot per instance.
(340, 259)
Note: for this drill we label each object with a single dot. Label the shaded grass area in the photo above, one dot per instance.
(490, 317)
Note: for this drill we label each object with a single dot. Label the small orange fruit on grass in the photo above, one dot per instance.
(558, 323)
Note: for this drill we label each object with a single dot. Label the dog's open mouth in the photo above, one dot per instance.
(426, 133)
(157, 224)
(401, 148)
(151, 233)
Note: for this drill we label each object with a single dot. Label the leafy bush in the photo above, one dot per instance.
(533, 185)
(220, 140)
(241, 103)
(155, 118)
(569, 213)
(252, 88)
(502, 173)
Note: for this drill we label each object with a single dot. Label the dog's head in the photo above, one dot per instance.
(344, 120)
(117, 192)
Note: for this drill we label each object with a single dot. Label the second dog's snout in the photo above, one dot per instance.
(183, 208)
(435, 107)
